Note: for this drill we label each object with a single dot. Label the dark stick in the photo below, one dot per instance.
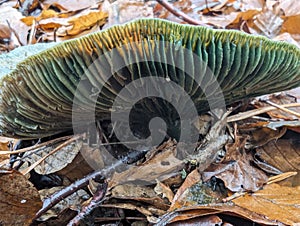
(65, 192)
(179, 13)
(95, 202)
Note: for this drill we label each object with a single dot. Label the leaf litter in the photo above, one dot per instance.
(248, 161)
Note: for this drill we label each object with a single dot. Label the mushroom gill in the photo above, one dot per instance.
(37, 94)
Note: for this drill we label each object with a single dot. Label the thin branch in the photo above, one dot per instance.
(34, 147)
(95, 202)
(283, 108)
(248, 114)
(181, 15)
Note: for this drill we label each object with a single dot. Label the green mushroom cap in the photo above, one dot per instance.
(37, 93)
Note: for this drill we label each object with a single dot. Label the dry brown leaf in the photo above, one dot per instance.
(230, 209)
(268, 22)
(148, 212)
(194, 192)
(13, 16)
(291, 24)
(84, 22)
(27, 6)
(4, 146)
(252, 4)
(191, 179)
(20, 200)
(275, 202)
(236, 170)
(282, 154)
(242, 18)
(55, 5)
(80, 165)
(164, 190)
(48, 13)
(139, 193)
(122, 11)
(262, 136)
(160, 167)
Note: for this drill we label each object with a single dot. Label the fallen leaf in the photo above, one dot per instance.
(160, 167)
(243, 17)
(200, 221)
(13, 16)
(278, 99)
(268, 22)
(262, 136)
(139, 193)
(282, 154)
(191, 179)
(55, 161)
(275, 202)
(74, 202)
(84, 22)
(48, 13)
(164, 190)
(20, 200)
(192, 212)
(291, 24)
(236, 169)
(122, 11)
(71, 4)
(290, 7)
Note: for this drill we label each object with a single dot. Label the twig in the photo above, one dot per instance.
(95, 202)
(51, 201)
(248, 114)
(179, 13)
(281, 177)
(283, 108)
(31, 148)
(234, 196)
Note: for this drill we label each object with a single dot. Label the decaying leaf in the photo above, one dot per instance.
(164, 190)
(19, 199)
(164, 163)
(74, 202)
(139, 193)
(195, 192)
(236, 169)
(279, 99)
(55, 161)
(197, 212)
(275, 202)
(193, 178)
(284, 155)
(84, 22)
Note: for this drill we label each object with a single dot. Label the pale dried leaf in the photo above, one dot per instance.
(56, 161)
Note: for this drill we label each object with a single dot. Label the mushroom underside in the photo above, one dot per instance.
(151, 66)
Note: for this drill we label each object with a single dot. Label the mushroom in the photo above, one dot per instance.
(37, 94)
